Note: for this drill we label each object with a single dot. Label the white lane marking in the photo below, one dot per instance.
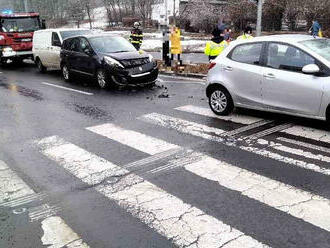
(310, 133)
(179, 125)
(11, 186)
(56, 232)
(124, 136)
(294, 151)
(242, 119)
(182, 125)
(268, 131)
(296, 202)
(186, 225)
(66, 88)
(304, 144)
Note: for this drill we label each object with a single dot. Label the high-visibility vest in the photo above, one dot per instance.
(175, 38)
(244, 37)
(214, 49)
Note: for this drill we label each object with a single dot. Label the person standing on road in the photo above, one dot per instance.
(315, 29)
(136, 37)
(247, 34)
(176, 47)
(215, 46)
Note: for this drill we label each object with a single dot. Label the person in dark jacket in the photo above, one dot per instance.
(316, 29)
(136, 37)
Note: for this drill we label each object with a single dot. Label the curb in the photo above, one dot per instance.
(186, 75)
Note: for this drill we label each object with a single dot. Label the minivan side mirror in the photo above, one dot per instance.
(88, 51)
(311, 69)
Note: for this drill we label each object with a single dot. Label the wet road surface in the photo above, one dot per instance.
(153, 167)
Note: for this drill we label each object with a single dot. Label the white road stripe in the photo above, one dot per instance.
(298, 203)
(198, 131)
(56, 232)
(186, 225)
(268, 131)
(304, 144)
(295, 151)
(242, 119)
(69, 89)
(310, 133)
(183, 126)
(123, 136)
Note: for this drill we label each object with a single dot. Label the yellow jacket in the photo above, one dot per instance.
(244, 37)
(175, 38)
(214, 49)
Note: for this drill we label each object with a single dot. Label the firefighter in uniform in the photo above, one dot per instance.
(136, 37)
(247, 34)
(215, 46)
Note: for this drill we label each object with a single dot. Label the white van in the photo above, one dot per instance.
(47, 46)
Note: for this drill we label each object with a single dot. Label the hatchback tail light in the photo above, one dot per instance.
(211, 65)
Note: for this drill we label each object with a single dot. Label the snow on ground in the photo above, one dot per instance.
(152, 41)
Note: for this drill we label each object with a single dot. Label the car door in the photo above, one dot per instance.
(85, 59)
(43, 42)
(54, 51)
(285, 87)
(242, 72)
(73, 55)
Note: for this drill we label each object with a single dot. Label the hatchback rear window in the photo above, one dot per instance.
(247, 53)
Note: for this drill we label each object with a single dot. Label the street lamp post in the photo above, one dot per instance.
(259, 19)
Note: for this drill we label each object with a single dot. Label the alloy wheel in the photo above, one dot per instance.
(101, 79)
(218, 101)
(66, 73)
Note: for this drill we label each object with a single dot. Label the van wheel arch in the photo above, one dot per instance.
(40, 66)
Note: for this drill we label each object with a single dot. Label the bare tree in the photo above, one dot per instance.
(76, 11)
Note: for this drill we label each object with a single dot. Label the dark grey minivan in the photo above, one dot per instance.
(111, 60)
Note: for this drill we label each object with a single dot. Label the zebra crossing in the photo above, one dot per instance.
(133, 186)
(15, 195)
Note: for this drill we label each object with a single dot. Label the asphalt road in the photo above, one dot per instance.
(84, 167)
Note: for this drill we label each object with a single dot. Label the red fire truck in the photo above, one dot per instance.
(16, 35)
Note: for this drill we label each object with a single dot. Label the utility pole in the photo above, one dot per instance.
(174, 14)
(26, 7)
(259, 20)
(166, 12)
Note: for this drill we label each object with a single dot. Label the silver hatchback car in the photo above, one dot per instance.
(287, 74)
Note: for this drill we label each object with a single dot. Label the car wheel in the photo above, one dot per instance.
(40, 66)
(220, 101)
(66, 73)
(101, 79)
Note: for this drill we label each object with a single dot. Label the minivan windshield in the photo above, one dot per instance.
(319, 46)
(21, 24)
(71, 33)
(109, 44)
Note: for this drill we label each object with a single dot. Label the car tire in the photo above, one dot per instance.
(220, 101)
(102, 79)
(40, 66)
(66, 73)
